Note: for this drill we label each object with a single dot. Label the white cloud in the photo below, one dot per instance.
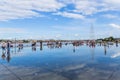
(14, 9)
(70, 15)
(110, 16)
(115, 25)
(90, 7)
(76, 35)
(11, 30)
(113, 3)
(86, 7)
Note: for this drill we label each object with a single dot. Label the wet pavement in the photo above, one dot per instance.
(61, 64)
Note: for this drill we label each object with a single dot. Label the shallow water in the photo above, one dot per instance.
(66, 63)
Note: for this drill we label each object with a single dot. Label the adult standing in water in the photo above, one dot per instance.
(3, 46)
(34, 46)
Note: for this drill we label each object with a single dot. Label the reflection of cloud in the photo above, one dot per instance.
(74, 67)
(18, 54)
(116, 55)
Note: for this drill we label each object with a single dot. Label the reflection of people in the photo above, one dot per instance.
(34, 48)
(105, 51)
(41, 48)
(74, 49)
(116, 43)
(8, 55)
(19, 49)
(3, 55)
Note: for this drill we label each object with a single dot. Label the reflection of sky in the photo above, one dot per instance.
(64, 61)
(63, 55)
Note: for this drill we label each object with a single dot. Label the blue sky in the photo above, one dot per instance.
(59, 19)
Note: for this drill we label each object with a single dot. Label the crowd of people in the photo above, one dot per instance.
(6, 46)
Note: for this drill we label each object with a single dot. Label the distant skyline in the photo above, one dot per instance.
(59, 19)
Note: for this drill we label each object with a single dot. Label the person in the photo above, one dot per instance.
(20, 46)
(8, 45)
(3, 46)
(34, 46)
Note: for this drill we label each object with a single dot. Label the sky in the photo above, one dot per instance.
(59, 19)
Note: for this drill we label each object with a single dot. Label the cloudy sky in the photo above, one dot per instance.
(59, 19)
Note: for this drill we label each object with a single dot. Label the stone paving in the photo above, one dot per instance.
(77, 73)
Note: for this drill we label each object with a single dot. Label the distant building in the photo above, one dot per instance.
(99, 40)
(118, 39)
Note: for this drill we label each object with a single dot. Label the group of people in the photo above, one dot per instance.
(56, 44)
(6, 50)
(6, 45)
(34, 44)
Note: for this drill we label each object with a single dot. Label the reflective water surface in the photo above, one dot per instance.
(61, 63)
